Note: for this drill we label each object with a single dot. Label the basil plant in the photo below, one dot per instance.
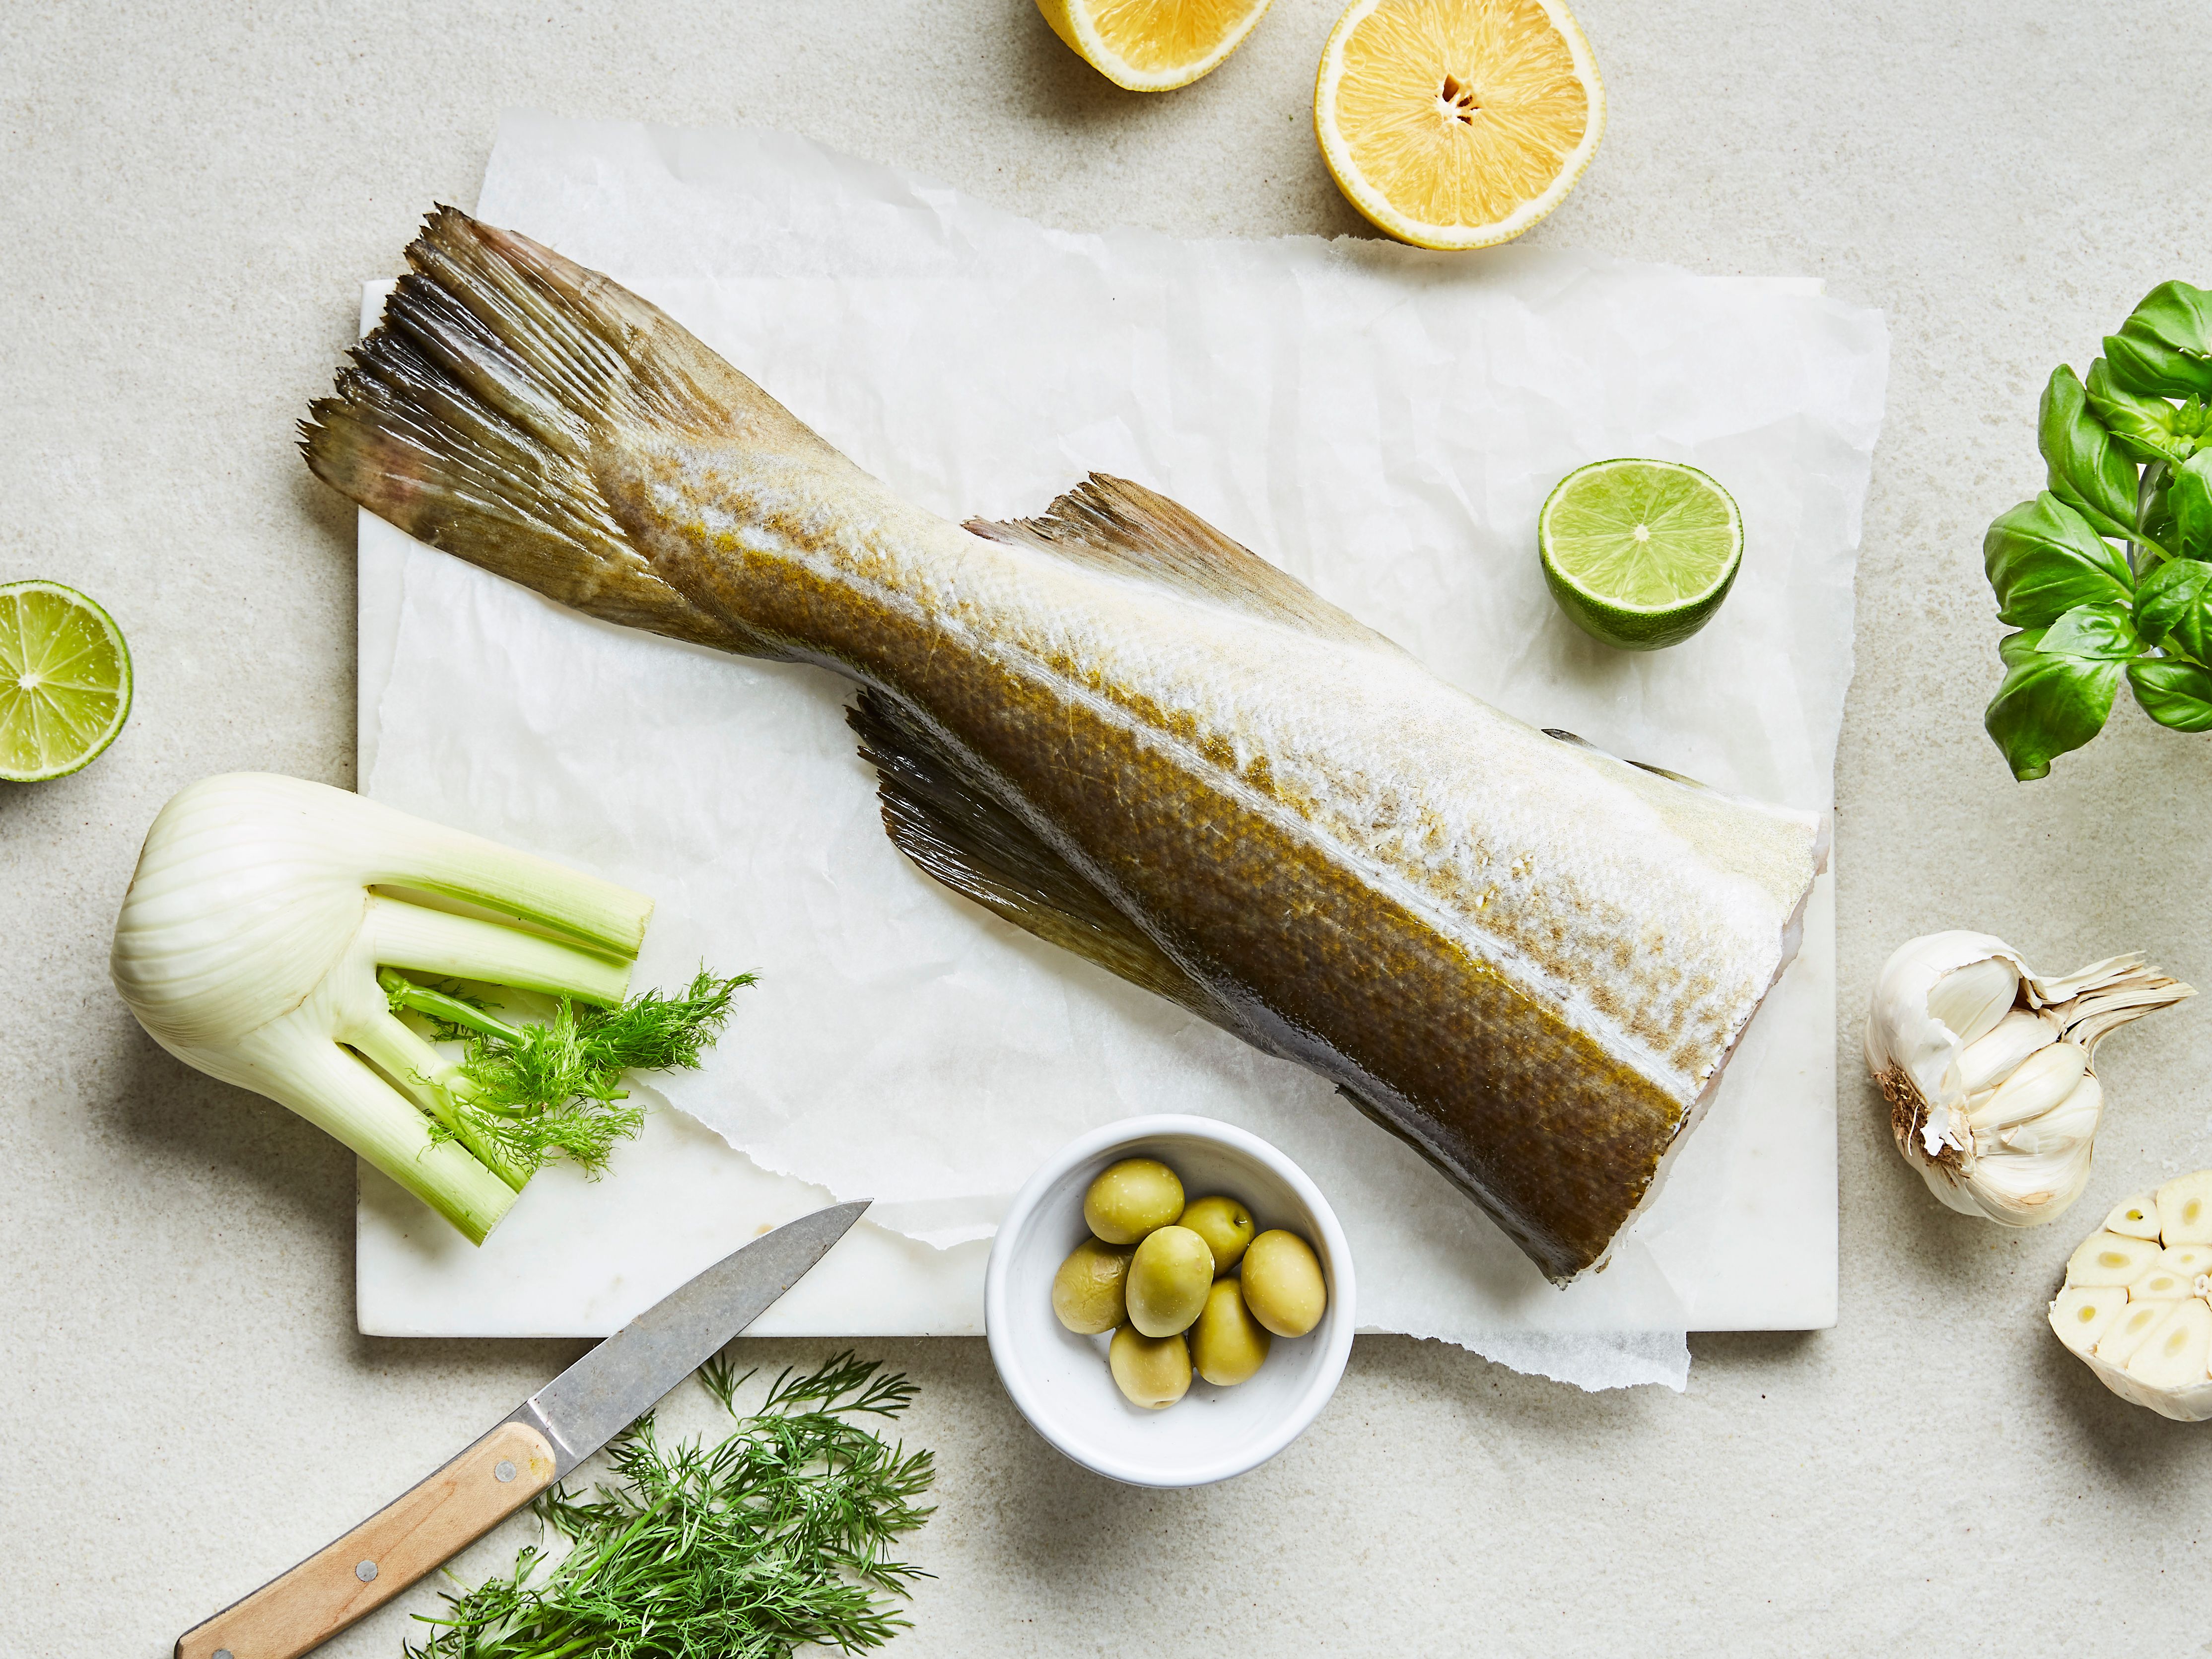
(2107, 574)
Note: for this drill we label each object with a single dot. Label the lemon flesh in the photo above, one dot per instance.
(1457, 124)
(65, 681)
(1152, 46)
(1639, 554)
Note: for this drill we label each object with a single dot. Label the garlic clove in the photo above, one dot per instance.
(2019, 1189)
(2111, 1259)
(2130, 1330)
(2184, 1209)
(1972, 999)
(2068, 1124)
(2189, 1259)
(2041, 1081)
(2174, 1354)
(1991, 1059)
(2161, 1286)
(2137, 1218)
(2082, 1313)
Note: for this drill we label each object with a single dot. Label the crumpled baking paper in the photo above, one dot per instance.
(1384, 422)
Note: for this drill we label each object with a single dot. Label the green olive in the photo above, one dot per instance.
(1225, 1225)
(1227, 1345)
(1132, 1198)
(1086, 1291)
(1283, 1284)
(1151, 1372)
(1168, 1280)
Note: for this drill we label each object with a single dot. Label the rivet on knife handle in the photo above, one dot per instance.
(384, 1554)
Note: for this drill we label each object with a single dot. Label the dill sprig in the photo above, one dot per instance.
(535, 1091)
(775, 1538)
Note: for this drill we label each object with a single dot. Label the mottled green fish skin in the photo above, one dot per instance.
(1528, 959)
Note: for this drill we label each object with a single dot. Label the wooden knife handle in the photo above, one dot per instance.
(384, 1554)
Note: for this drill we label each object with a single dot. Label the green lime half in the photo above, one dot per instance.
(64, 680)
(1639, 553)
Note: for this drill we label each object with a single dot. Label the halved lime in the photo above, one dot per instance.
(64, 680)
(1640, 554)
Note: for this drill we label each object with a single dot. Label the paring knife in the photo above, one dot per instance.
(547, 1435)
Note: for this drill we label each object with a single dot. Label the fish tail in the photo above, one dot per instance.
(478, 415)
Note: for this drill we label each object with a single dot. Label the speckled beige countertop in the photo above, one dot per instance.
(192, 194)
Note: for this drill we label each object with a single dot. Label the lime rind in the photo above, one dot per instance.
(65, 681)
(1639, 553)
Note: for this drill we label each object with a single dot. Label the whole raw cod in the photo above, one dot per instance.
(1124, 733)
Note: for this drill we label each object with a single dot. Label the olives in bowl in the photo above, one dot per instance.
(1141, 1356)
(1174, 1277)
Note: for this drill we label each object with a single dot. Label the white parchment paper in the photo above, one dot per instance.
(1383, 422)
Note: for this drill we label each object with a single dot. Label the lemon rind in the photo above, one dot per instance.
(1454, 239)
(1070, 22)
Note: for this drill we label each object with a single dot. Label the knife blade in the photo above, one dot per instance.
(540, 1441)
(609, 1387)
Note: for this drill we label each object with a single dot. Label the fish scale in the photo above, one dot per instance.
(1117, 728)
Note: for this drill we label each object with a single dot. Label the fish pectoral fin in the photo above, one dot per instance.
(939, 814)
(1124, 528)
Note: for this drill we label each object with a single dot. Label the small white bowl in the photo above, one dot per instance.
(1059, 1380)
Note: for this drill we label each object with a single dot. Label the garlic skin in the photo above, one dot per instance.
(2138, 1315)
(1985, 1064)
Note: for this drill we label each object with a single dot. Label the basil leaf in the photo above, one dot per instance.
(2047, 705)
(2173, 693)
(2189, 493)
(2105, 631)
(2086, 472)
(2164, 349)
(2018, 648)
(2144, 428)
(2173, 608)
(2043, 560)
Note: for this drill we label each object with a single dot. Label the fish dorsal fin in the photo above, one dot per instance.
(940, 813)
(1127, 530)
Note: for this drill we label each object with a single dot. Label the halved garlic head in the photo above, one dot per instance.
(2137, 1308)
(1986, 1065)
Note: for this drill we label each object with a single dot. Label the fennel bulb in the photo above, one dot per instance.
(250, 942)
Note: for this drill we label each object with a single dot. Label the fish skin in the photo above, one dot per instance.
(1528, 959)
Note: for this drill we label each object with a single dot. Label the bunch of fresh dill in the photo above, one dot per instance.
(775, 1538)
(533, 1091)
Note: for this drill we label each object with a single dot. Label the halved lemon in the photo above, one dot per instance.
(1457, 124)
(1152, 46)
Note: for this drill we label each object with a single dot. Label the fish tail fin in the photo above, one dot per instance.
(473, 416)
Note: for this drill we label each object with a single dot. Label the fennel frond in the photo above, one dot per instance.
(539, 1091)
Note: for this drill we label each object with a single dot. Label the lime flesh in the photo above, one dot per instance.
(65, 681)
(1640, 554)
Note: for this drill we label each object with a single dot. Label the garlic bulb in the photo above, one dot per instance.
(1985, 1064)
(2136, 1306)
